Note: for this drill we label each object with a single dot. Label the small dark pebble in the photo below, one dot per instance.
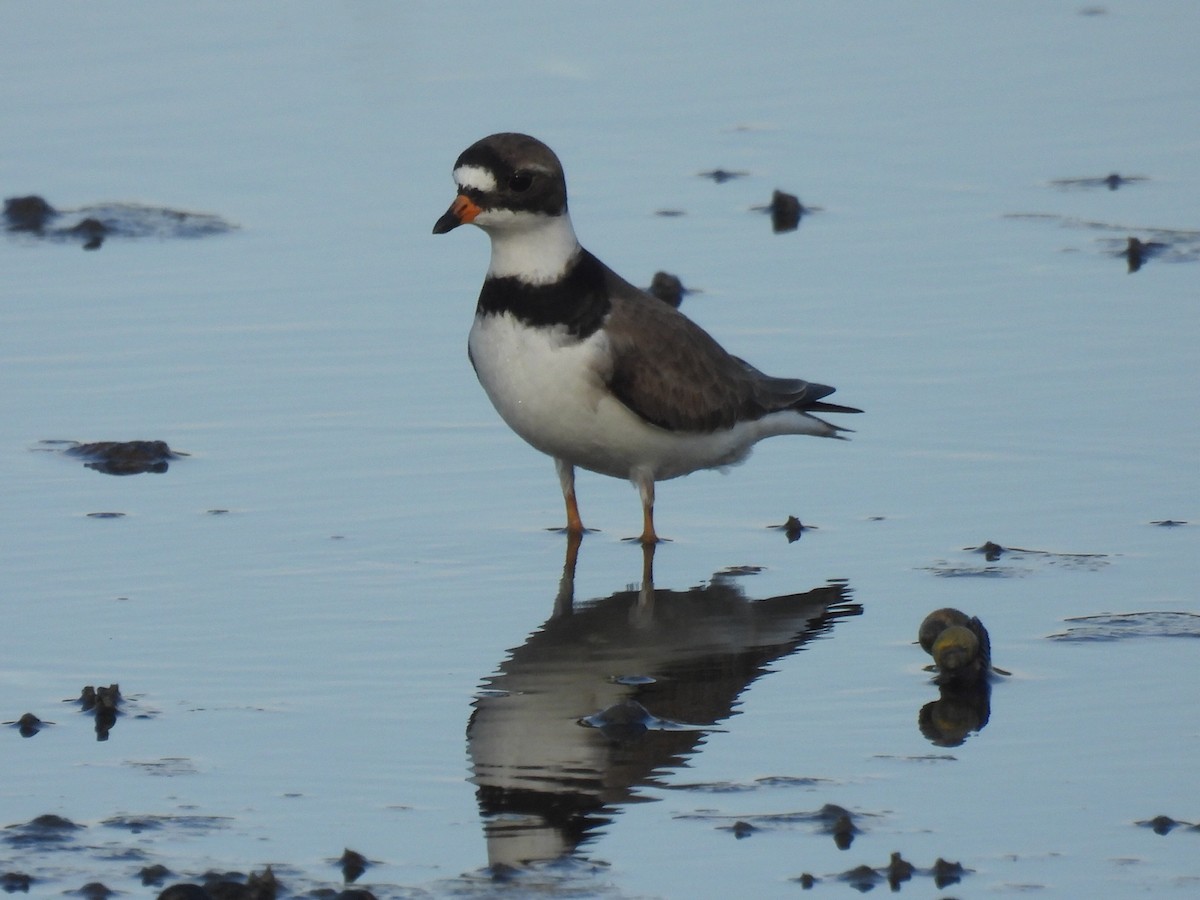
(862, 877)
(1111, 181)
(28, 213)
(840, 824)
(1169, 523)
(743, 829)
(154, 875)
(93, 232)
(786, 210)
(793, 528)
(668, 288)
(11, 882)
(1114, 181)
(228, 886)
(1163, 824)
(945, 873)
(991, 550)
(353, 864)
(106, 515)
(94, 890)
(806, 880)
(125, 457)
(28, 725)
(185, 892)
(1138, 252)
(899, 870)
(44, 829)
(720, 176)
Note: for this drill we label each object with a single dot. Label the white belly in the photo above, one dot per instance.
(550, 389)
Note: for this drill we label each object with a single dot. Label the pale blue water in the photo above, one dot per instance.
(312, 655)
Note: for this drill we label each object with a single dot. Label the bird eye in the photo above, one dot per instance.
(520, 181)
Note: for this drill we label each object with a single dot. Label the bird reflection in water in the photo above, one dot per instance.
(610, 695)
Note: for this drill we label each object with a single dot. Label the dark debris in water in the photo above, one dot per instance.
(122, 457)
(353, 864)
(12, 882)
(786, 211)
(228, 886)
(1122, 626)
(668, 288)
(720, 176)
(28, 725)
(92, 225)
(993, 553)
(1165, 825)
(793, 528)
(1135, 244)
(93, 890)
(103, 703)
(830, 819)
(1111, 182)
(47, 829)
(898, 870)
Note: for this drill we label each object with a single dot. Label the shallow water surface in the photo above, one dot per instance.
(335, 614)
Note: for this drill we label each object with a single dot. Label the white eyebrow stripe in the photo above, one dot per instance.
(475, 177)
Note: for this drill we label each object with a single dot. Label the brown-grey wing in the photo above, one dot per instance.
(672, 373)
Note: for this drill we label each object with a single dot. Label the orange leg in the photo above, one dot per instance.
(566, 477)
(645, 484)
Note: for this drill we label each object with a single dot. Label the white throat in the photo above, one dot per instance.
(533, 247)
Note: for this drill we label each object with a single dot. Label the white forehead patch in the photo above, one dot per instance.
(475, 177)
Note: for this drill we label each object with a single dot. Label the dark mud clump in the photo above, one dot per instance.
(793, 528)
(1164, 825)
(92, 225)
(45, 830)
(837, 821)
(786, 211)
(994, 553)
(12, 882)
(103, 703)
(1138, 252)
(668, 288)
(227, 886)
(125, 457)
(353, 864)
(720, 176)
(94, 890)
(1112, 181)
(28, 725)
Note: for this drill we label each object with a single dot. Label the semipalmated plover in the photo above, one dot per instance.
(588, 368)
